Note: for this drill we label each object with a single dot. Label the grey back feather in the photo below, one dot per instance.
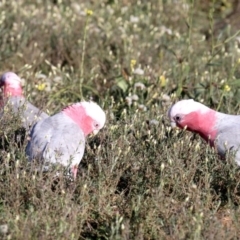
(29, 113)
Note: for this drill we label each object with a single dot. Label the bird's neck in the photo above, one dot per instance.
(9, 91)
(78, 114)
(203, 124)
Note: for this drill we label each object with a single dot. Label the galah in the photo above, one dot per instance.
(60, 139)
(13, 97)
(221, 131)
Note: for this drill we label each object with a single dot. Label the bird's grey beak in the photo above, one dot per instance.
(95, 132)
(173, 124)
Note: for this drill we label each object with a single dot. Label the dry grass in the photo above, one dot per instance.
(138, 179)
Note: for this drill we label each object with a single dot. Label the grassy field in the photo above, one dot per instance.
(139, 179)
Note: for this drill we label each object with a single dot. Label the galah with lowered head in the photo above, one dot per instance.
(13, 97)
(220, 130)
(60, 139)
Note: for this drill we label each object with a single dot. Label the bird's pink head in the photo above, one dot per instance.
(11, 84)
(195, 117)
(88, 115)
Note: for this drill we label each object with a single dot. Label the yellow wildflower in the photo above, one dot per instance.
(89, 12)
(162, 81)
(226, 88)
(132, 64)
(41, 86)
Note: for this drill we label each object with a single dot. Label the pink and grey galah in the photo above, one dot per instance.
(221, 131)
(10, 84)
(60, 139)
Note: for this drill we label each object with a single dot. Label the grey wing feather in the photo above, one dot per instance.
(56, 139)
(228, 135)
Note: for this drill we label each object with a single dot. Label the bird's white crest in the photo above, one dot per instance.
(186, 106)
(11, 79)
(94, 111)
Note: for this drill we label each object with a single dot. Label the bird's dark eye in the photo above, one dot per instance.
(178, 118)
(96, 125)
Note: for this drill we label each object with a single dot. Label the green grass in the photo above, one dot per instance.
(138, 178)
